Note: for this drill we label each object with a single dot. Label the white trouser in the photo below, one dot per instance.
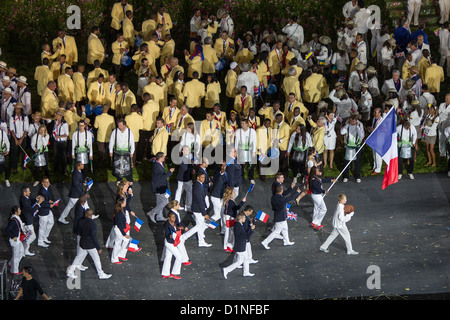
(184, 186)
(110, 241)
(445, 58)
(236, 192)
(18, 252)
(414, 9)
(182, 248)
(377, 162)
(69, 206)
(280, 228)
(200, 222)
(248, 249)
(161, 202)
(171, 250)
(120, 246)
(442, 139)
(241, 258)
(320, 209)
(217, 207)
(345, 235)
(228, 239)
(45, 226)
(444, 6)
(29, 229)
(81, 255)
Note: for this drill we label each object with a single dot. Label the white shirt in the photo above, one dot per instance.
(195, 24)
(365, 103)
(407, 135)
(362, 52)
(18, 125)
(431, 130)
(243, 136)
(294, 32)
(7, 110)
(187, 139)
(41, 143)
(59, 130)
(24, 96)
(226, 24)
(341, 62)
(361, 19)
(85, 141)
(4, 141)
(414, 118)
(125, 140)
(444, 114)
(248, 79)
(349, 10)
(308, 141)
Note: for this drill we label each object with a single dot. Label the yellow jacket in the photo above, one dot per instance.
(170, 121)
(184, 122)
(70, 49)
(148, 28)
(433, 78)
(72, 119)
(49, 56)
(248, 103)
(150, 111)
(230, 132)
(178, 93)
(285, 71)
(160, 141)
(291, 84)
(194, 65)
(405, 70)
(156, 92)
(263, 140)
(93, 75)
(66, 88)
(95, 95)
(313, 88)
(57, 70)
(129, 33)
(317, 137)
(222, 120)
(229, 48)
(170, 80)
(230, 81)
(135, 122)
(155, 52)
(104, 124)
(49, 103)
(138, 56)
(274, 114)
(96, 51)
(304, 112)
(263, 73)
(194, 91)
(164, 70)
(80, 86)
(115, 48)
(42, 75)
(124, 102)
(282, 134)
(210, 59)
(244, 56)
(274, 61)
(166, 21)
(210, 134)
(168, 50)
(266, 113)
(212, 94)
(118, 14)
(355, 61)
(293, 123)
(110, 97)
(254, 123)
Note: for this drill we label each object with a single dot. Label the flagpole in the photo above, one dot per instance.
(357, 152)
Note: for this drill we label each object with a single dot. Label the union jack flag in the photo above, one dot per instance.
(291, 216)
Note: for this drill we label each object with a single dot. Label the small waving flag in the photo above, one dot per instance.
(250, 189)
(26, 160)
(56, 203)
(167, 194)
(262, 216)
(133, 247)
(212, 224)
(176, 237)
(291, 216)
(138, 224)
(436, 32)
(89, 184)
(127, 228)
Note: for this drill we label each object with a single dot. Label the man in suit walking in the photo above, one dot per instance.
(159, 187)
(45, 214)
(76, 191)
(199, 208)
(234, 172)
(29, 207)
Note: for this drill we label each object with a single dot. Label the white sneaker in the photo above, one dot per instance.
(400, 177)
(323, 250)
(30, 254)
(345, 180)
(249, 275)
(205, 245)
(63, 221)
(448, 174)
(95, 216)
(411, 176)
(265, 245)
(294, 180)
(104, 276)
(225, 273)
(43, 245)
(252, 181)
(253, 261)
(358, 180)
(7, 183)
(35, 183)
(82, 268)
(290, 243)
(47, 241)
(352, 253)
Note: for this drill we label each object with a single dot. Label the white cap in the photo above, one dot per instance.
(233, 65)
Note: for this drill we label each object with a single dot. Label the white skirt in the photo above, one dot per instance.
(330, 141)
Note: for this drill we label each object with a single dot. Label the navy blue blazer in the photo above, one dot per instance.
(198, 198)
(248, 227)
(44, 210)
(275, 184)
(28, 207)
(159, 178)
(79, 215)
(316, 185)
(185, 170)
(168, 229)
(207, 180)
(12, 229)
(241, 236)
(77, 186)
(121, 222)
(219, 185)
(88, 234)
(279, 203)
(234, 172)
(231, 208)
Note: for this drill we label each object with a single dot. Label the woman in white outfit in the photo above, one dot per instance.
(430, 131)
(191, 139)
(121, 227)
(329, 138)
(39, 144)
(16, 236)
(340, 219)
(415, 118)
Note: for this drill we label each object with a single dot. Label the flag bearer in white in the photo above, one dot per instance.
(340, 219)
(122, 239)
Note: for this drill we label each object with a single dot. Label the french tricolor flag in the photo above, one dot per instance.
(383, 141)
(138, 224)
(133, 246)
(261, 216)
(56, 203)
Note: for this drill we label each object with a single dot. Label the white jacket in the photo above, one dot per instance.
(294, 32)
(340, 218)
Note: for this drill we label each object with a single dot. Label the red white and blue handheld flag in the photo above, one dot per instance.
(134, 246)
(262, 216)
(291, 216)
(212, 224)
(138, 224)
(26, 160)
(384, 142)
(56, 203)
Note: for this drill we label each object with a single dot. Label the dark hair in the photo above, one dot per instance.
(248, 208)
